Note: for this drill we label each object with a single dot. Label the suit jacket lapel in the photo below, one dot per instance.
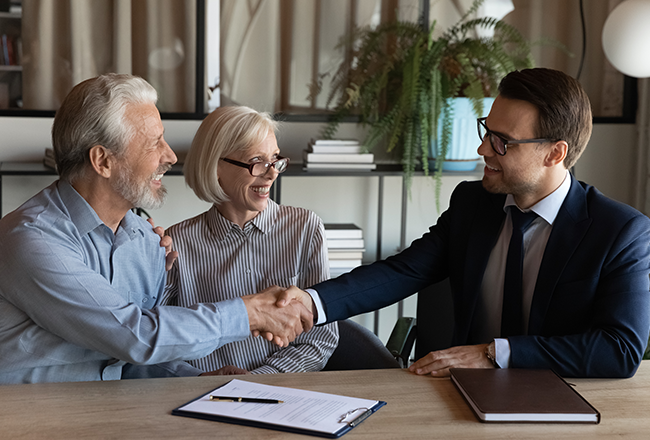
(569, 228)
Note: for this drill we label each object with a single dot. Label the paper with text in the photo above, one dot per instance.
(309, 410)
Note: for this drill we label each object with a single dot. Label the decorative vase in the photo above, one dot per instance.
(462, 152)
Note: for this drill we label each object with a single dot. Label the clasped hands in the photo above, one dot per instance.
(278, 314)
(280, 323)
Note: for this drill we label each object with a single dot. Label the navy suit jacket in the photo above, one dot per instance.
(590, 313)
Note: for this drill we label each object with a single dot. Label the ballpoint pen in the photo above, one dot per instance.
(243, 399)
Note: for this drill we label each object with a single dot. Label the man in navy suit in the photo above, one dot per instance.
(583, 308)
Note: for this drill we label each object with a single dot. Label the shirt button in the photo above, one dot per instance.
(144, 300)
(248, 271)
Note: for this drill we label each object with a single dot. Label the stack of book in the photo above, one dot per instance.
(12, 50)
(345, 247)
(337, 154)
(48, 159)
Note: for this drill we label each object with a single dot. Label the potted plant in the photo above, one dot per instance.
(402, 83)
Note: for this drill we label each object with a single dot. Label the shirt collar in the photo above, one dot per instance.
(86, 219)
(549, 206)
(263, 221)
(81, 213)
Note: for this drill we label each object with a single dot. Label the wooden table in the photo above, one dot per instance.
(418, 408)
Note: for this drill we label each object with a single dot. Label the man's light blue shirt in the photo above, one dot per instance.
(79, 302)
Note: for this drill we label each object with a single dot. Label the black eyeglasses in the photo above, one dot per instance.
(499, 143)
(259, 169)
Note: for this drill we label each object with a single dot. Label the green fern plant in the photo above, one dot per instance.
(402, 79)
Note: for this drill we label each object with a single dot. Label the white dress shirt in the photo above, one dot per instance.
(535, 239)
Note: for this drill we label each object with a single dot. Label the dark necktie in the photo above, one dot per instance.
(511, 318)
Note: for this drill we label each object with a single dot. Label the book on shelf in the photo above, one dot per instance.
(522, 395)
(345, 254)
(337, 142)
(15, 8)
(338, 272)
(345, 243)
(342, 230)
(11, 52)
(339, 166)
(342, 264)
(6, 61)
(334, 149)
(308, 157)
(48, 158)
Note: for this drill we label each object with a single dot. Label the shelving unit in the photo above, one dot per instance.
(10, 60)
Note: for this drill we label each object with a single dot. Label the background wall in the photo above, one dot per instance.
(608, 163)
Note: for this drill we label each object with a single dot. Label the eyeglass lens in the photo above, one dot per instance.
(496, 142)
(261, 168)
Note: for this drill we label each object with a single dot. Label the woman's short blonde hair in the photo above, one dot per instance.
(222, 132)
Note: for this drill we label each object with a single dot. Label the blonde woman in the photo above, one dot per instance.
(246, 242)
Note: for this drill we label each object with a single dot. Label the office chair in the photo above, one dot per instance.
(433, 328)
(359, 349)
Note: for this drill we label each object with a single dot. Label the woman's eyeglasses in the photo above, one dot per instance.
(499, 143)
(259, 169)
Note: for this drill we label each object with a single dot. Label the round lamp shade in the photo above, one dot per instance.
(626, 38)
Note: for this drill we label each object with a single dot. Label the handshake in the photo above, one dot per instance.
(280, 315)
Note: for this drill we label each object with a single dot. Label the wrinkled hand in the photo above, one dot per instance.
(280, 325)
(228, 370)
(438, 363)
(166, 242)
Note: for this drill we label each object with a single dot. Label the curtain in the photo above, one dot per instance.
(68, 41)
(559, 20)
(274, 51)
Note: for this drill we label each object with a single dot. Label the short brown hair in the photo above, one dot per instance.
(563, 106)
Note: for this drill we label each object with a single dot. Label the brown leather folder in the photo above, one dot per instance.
(518, 395)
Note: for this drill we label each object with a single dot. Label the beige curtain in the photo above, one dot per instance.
(560, 20)
(68, 41)
(273, 50)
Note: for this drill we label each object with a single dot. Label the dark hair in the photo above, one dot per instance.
(93, 114)
(563, 106)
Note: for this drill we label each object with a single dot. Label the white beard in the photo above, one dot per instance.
(140, 194)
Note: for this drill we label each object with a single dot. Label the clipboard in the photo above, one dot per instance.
(302, 412)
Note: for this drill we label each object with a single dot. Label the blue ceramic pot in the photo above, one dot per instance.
(461, 153)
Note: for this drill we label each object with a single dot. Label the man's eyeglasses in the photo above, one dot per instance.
(259, 169)
(499, 143)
